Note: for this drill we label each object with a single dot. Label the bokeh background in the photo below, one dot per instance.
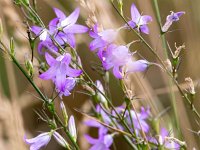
(18, 99)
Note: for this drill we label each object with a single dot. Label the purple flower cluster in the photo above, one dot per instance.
(61, 31)
(119, 58)
(104, 138)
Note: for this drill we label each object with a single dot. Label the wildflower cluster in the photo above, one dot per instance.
(57, 45)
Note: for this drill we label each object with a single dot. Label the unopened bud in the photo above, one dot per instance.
(190, 85)
(60, 140)
(64, 112)
(29, 66)
(72, 128)
(12, 47)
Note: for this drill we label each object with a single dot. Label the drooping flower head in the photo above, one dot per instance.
(61, 73)
(139, 21)
(173, 17)
(103, 38)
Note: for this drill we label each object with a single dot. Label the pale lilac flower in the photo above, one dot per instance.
(173, 17)
(39, 141)
(139, 21)
(60, 139)
(58, 72)
(72, 127)
(68, 27)
(115, 57)
(103, 38)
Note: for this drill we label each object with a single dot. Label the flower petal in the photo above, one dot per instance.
(71, 19)
(144, 29)
(117, 73)
(135, 15)
(108, 140)
(36, 30)
(59, 13)
(50, 60)
(76, 28)
(73, 72)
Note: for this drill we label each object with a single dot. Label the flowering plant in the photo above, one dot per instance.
(132, 120)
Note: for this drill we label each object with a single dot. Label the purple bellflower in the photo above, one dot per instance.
(173, 17)
(138, 21)
(72, 127)
(39, 141)
(102, 39)
(67, 26)
(115, 57)
(58, 72)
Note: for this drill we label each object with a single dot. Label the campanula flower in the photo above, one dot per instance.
(58, 71)
(138, 21)
(115, 57)
(103, 38)
(100, 97)
(39, 141)
(68, 27)
(173, 17)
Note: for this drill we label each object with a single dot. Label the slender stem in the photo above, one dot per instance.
(164, 44)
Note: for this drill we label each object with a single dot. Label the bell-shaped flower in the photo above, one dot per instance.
(173, 17)
(39, 141)
(68, 27)
(103, 38)
(139, 21)
(115, 57)
(58, 71)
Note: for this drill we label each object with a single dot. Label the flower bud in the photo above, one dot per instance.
(60, 140)
(29, 67)
(72, 127)
(12, 47)
(64, 112)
